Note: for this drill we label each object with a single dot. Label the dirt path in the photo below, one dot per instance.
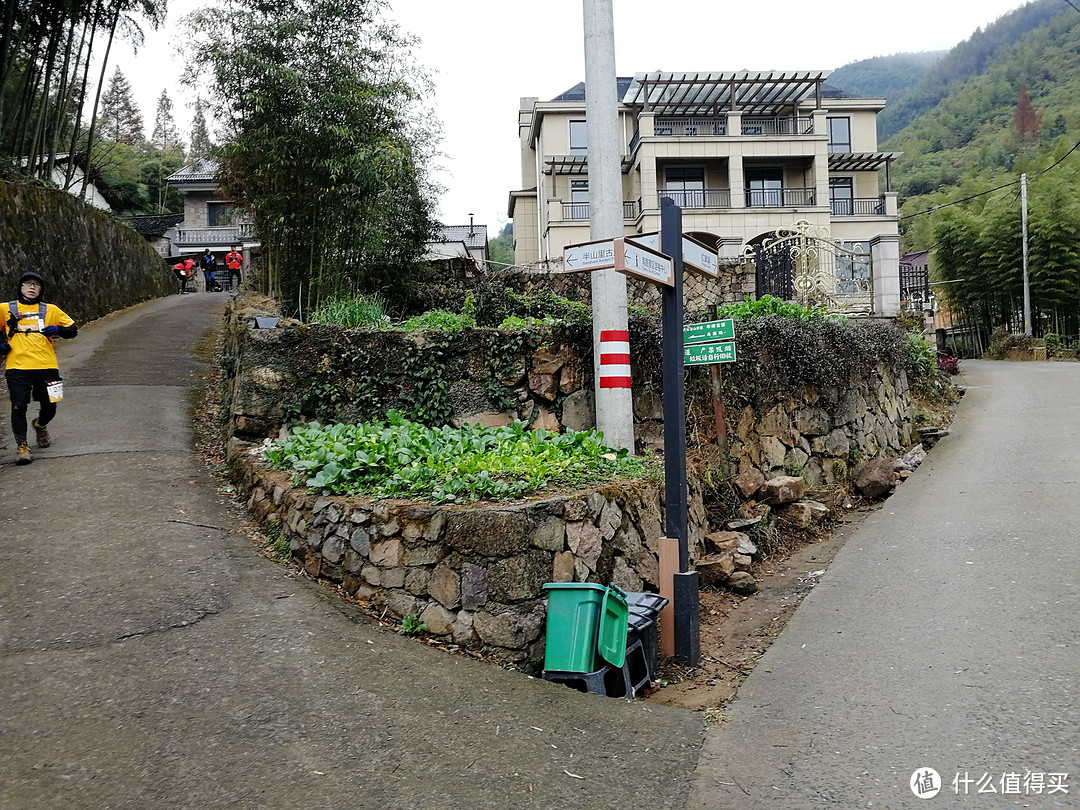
(736, 630)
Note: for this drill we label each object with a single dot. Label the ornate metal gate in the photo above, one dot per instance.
(803, 263)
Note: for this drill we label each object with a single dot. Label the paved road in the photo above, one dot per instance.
(943, 635)
(151, 658)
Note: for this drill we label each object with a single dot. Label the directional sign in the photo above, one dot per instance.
(589, 256)
(700, 257)
(709, 331)
(706, 353)
(645, 263)
(695, 255)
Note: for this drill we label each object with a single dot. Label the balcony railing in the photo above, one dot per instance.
(859, 206)
(778, 125)
(580, 210)
(220, 234)
(689, 127)
(779, 197)
(699, 198)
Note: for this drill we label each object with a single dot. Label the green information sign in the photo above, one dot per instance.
(709, 332)
(706, 353)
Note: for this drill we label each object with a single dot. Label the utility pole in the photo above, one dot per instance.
(1024, 236)
(614, 406)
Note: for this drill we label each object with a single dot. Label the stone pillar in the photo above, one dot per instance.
(736, 180)
(885, 259)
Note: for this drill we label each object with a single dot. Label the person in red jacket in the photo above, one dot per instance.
(183, 270)
(234, 261)
(32, 371)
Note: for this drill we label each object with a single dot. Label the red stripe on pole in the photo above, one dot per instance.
(614, 360)
(614, 382)
(614, 334)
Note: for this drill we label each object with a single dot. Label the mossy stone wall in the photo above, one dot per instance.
(92, 262)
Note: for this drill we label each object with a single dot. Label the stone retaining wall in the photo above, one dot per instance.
(473, 574)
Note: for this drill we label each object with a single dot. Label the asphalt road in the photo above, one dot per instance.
(151, 658)
(943, 635)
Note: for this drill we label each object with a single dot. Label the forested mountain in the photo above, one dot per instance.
(1005, 102)
(970, 58)
(1020, 113)
(888, 77)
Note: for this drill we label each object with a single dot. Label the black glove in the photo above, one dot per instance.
(51, 331)
(5, 347)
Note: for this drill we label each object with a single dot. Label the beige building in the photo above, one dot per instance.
(773, 168)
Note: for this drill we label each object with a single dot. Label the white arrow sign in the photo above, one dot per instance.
(695, 255)
(589, 256)
(645, 263)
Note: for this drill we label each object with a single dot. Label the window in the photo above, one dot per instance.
(765, 186)
(579, 136)
(839, 135)
(579, 199)
(685, 185)
(218, 213)
(841, 196)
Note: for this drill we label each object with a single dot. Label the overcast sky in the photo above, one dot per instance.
(486, 54)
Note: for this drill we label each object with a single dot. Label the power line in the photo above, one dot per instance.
(999, 188)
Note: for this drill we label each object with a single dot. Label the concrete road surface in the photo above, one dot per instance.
(151, 658)
(943, 636)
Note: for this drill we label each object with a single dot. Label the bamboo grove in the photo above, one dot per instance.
(47, 84)
(978, 257)
(326, 144)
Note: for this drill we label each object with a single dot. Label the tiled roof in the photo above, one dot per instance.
(474, 236)
(154, 224)
(198, 172)
(577, 92)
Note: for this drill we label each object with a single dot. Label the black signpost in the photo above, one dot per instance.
(685, 587)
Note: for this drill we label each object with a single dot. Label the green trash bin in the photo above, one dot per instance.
(586, 625)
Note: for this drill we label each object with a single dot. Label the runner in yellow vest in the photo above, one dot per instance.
(32, 371)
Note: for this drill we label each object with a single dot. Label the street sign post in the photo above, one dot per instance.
(702, 354)
(709, 332)
(695, 255)
(625, 256)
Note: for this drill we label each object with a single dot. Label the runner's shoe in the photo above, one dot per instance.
(24, 455)
(43, 438)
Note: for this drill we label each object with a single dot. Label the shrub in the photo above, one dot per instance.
(948, 363)
(1003, 343)
(1052, 341)
(769, 306)
(443, 320)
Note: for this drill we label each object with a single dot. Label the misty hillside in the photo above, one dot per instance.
(887, 77)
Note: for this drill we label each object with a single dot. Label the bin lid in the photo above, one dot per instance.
(614, 623)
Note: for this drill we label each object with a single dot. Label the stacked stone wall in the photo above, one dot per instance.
(475, 574)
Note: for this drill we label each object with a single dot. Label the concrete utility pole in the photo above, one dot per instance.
(1024, 236)
(614, 407)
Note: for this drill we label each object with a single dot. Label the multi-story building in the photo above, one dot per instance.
(775, 168)
(210, 221)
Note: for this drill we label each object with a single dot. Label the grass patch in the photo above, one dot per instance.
(362, 311)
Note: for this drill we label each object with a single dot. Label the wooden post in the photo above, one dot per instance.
(669, 567)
